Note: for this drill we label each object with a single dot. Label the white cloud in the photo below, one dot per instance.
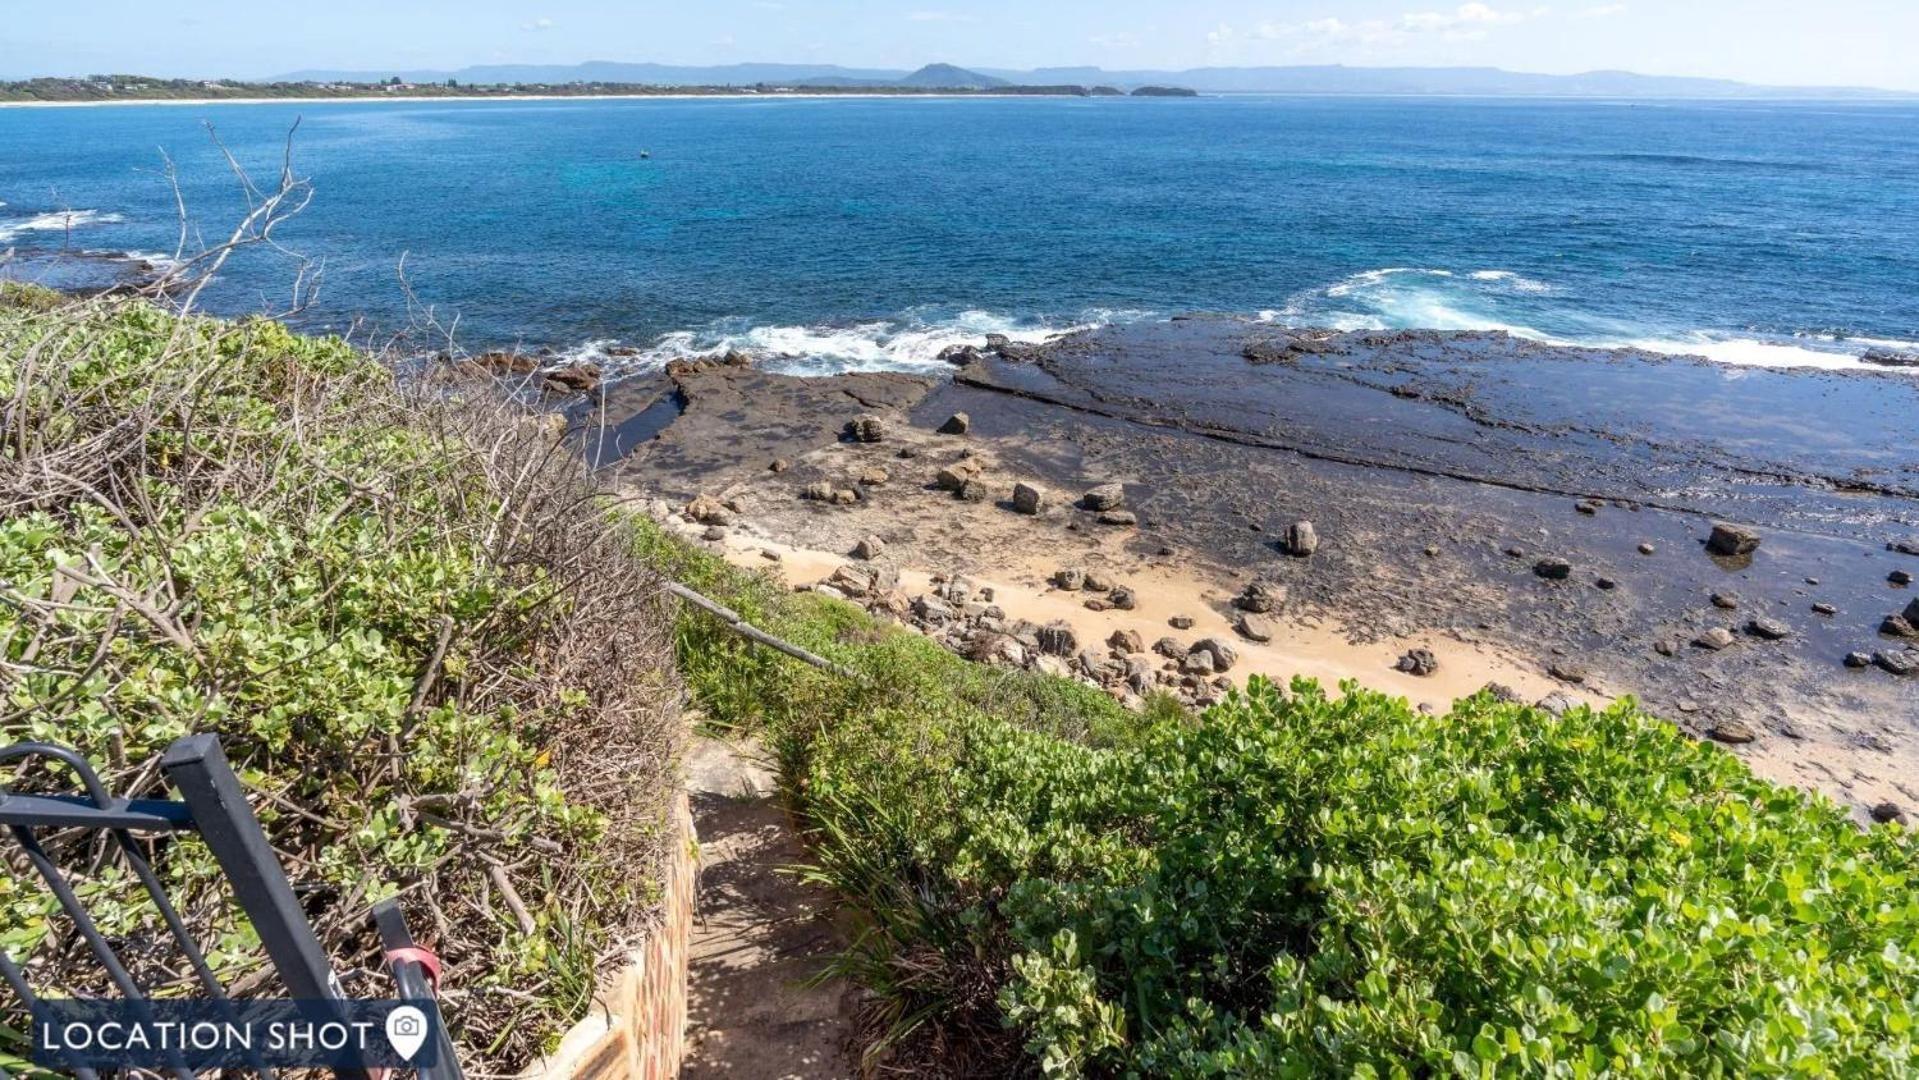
(1605, 11)
(537, 25)
(1467, 18)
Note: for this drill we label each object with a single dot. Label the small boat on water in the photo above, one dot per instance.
(646, 155)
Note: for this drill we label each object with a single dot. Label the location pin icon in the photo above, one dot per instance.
(406, 1030)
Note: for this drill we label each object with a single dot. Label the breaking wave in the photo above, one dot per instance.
(58, 221)
(911, 342)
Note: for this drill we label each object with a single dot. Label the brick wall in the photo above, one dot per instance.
(637, 1030)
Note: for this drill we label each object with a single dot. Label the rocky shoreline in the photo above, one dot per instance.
(1166, 508)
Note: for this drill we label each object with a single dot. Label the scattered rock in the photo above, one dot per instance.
(956, 476)
(1903, 664)
(818, 490)
(1665, 647)
(961, 355)
(1072, 579)
(1858, 660)
(1420, 662)
(1170, 648)
(1898, 626)
(1648, 549)
(1589, 507)
(874, 477)
(1605, 584)
(1515, 552)
(869, 548)
(1126, 642)
(1889, 813)
(779, 465)
(1904, 547)
(1567, 671)
(1733, 732)
(1125, 599)
(1715, 639)
(1768, 629)
(957, 424)
(1732, 541)
(1553, 569)
(1118, 517)
(770, 555)
(1725, 601)
(1105, 497)
(934, 610)
(907, 453)
(1432, 551)
(1302, 540)
(1890, 358)
(1058, 639)
(1900, 577)
(1824, 609)
(708, 510)
(866, 429)
(1198, 662)
(1912, 612)
(713, 533)
(1261, 598)
(1180, 622)
(1558, 703)
(1028, 499)
(1254, 628)
(845, 497)
(1222, 654)
(1501, 693)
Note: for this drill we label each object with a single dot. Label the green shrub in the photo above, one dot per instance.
(1299, 885)
(426, 651)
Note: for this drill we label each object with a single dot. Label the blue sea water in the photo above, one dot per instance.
(872, 232)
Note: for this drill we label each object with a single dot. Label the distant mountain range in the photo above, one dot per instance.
(1330, 79)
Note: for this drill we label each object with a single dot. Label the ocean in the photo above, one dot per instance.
(845, 234)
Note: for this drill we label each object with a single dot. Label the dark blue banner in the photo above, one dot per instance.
(202, 1034)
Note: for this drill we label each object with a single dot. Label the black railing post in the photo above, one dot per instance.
(198, 770)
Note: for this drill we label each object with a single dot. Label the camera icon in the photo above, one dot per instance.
(408, 1025)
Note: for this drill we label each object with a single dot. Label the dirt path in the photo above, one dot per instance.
(759, 935)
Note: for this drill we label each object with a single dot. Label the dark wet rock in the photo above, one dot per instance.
(1180, 622)
(1824, 609)
(1553, 569)
(1589, 507)
(1515, 552)
(1072, 579)
(580, 378)
(1105, 497)
(1891, 358)
(1725, 601)
(961, 355)
(957, 424)
(1302, 540)
(996, 342)
(1904, 664)
(1858, 660)
(1900, 577)
(1899, 626)
(1420, 662)
(1715, 639)
(708, 510)
(1058, 639)
(1261, 598)
(1126, 642)
(865, 429)
(1605, 584)
(1889, 813)
(1904, 547)
(1912, 612)
(1254, 628)
(869, 548)
(1768, 629)
(1028, 499)
(1567, 671)
(1732, 541)
(1734, 732)
(1119, 517)
(1223, 655)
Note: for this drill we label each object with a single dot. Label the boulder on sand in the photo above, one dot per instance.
(1419, 662)
(1058, 639)
(1028, 499)
(956, 476)
(1254, 628)
(866, 429)
(708, 510)
(1105, 497)
(1302, 540)
(1223, 656)
(957, 424)
(869, 548)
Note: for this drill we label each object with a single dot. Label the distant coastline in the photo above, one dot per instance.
(663, 95)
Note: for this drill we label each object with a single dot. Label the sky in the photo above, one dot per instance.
(1775, 42)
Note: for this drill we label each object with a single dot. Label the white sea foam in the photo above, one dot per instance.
(59, 221)
(1408, 298)
(910, 343)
